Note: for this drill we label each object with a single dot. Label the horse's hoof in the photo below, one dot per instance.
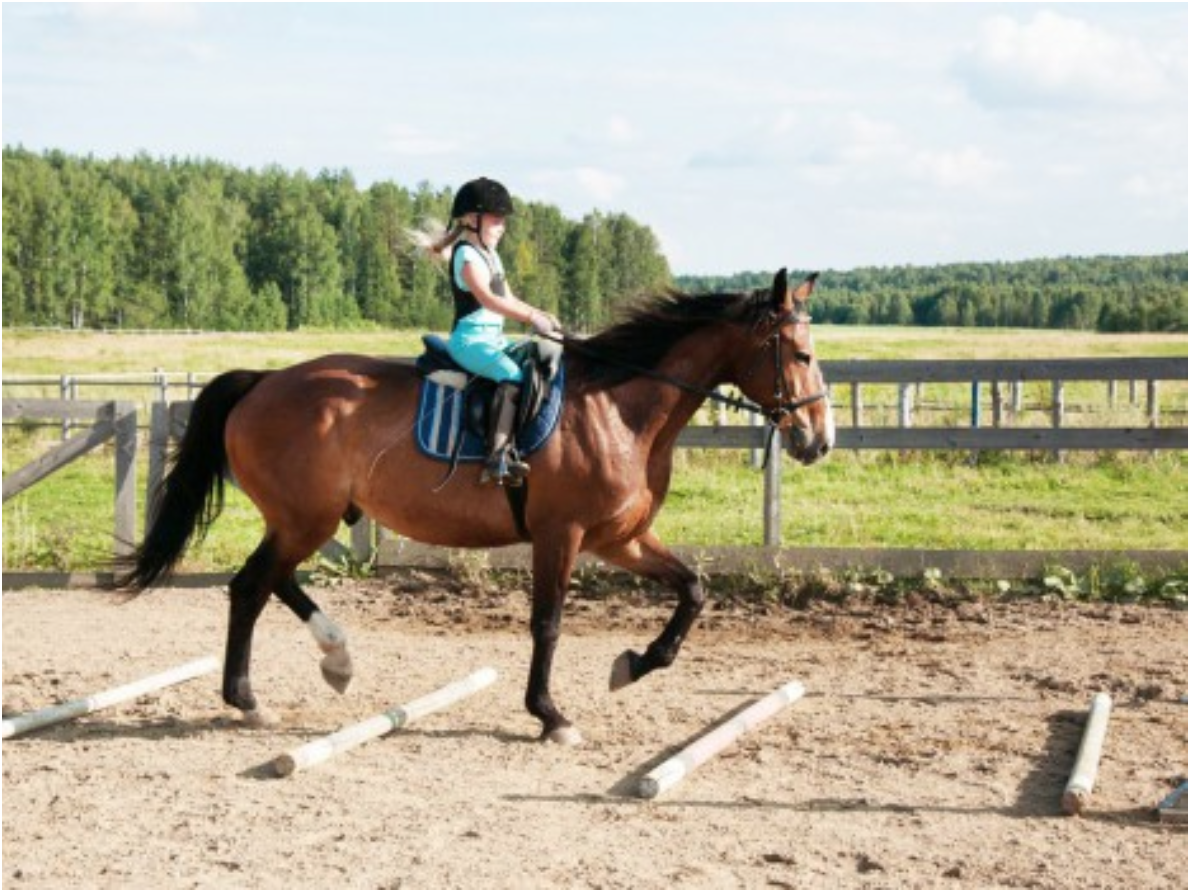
(259, 718)
(567, 736)
(623, 671)
(337, 670)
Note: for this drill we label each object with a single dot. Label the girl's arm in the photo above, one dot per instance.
(478, 278)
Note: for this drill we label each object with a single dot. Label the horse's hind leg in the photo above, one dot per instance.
(250, 589)
(647, 557)
(336, 663)
(265, 572)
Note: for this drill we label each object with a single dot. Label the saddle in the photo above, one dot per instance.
(454, 404)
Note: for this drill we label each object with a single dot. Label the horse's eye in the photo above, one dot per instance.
(804, 358)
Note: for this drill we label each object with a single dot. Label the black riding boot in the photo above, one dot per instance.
(503, 466)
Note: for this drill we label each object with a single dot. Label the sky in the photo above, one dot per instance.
(746, 136)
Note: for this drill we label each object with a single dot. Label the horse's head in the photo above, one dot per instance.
(785, 378)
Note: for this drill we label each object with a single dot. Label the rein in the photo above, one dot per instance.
(784, 405)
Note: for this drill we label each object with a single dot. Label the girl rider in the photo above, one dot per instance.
(482, 300)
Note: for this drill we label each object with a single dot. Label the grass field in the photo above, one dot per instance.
(998, 501)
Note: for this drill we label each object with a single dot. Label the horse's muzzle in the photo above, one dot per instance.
(807, 445)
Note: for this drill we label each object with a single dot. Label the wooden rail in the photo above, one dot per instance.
(109, 420)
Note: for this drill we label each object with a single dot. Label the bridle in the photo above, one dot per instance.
(786, 402)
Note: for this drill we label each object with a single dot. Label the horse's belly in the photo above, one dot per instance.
(450, 522)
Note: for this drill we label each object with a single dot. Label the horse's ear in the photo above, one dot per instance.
(801, 294)
(779, 290)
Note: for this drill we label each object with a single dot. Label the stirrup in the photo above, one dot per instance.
(503, 470)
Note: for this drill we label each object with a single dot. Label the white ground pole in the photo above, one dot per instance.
(321, 750)
(77, 708)
(1084, 774)
(703, 748)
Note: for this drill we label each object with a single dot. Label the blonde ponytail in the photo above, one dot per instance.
(433, 241)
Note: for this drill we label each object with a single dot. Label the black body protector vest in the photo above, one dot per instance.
(464, 301)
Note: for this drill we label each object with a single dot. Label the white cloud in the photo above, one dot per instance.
(967, 167)
(1161, 187)
(138, 15)
(600, 185)
(866, 139)
(619, 130)
(575, 187)
(1054, 59)
(410, 142)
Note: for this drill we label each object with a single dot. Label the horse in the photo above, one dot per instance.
(329, 439)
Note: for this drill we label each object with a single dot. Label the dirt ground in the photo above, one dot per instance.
(930, 751)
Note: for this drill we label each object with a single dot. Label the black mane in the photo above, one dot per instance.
(651, 328)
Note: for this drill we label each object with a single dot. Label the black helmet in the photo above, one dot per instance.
(482, 196)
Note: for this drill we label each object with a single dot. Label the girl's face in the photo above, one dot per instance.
(493, 229)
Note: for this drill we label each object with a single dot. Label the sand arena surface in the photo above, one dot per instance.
(930, 751)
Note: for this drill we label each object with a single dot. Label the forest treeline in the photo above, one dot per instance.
(1148, 293)
(150, 243)
(158, 243)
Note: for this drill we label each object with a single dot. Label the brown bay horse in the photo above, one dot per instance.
(330, 438)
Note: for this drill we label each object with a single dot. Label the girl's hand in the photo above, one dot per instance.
(544, 323)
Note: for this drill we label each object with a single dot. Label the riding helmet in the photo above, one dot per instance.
(482, 195)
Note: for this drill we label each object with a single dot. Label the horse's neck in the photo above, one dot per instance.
(662, 410)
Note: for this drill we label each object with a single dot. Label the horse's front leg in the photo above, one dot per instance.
(647, 557)
(552, 563)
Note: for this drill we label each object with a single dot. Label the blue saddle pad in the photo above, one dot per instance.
(440, 422)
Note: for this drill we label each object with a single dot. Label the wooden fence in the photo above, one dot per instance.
(1003, 380)
(107, 420)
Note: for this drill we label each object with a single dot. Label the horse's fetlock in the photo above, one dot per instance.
(660, 656)
(240, 696)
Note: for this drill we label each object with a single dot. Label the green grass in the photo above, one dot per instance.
(1015, 501)
(938, 502)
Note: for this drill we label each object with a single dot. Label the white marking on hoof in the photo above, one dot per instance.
(327, 634)
(565, 735)
(260, 718)
(620, 675)
(337, 669)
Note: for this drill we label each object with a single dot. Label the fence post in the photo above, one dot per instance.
(1058, 412)
(905, 405)
(771, 492)
(162, 383)
(124, 417)
(66, 391)
(362, 544)
(757, 454)
(158, 448)
(1153, 402)
(975, 404)
(996, 402)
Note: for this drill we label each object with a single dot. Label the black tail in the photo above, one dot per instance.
(190, 496)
